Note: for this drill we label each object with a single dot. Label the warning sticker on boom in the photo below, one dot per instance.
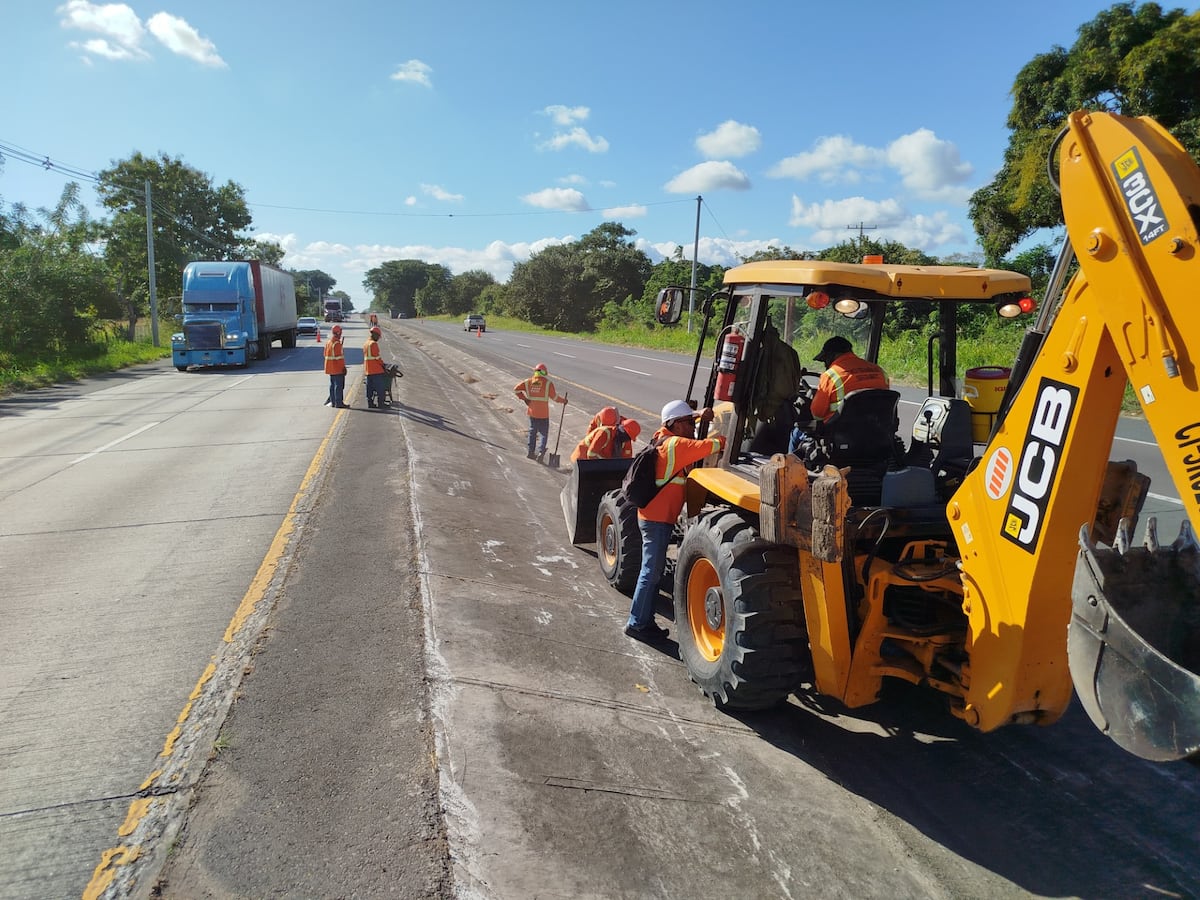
(1140, 197)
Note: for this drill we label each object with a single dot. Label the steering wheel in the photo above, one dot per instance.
(806, 390)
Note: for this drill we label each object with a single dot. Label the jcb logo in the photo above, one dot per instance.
(1039, 463)
(1140, 198)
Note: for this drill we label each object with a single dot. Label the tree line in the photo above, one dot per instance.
(62, 273)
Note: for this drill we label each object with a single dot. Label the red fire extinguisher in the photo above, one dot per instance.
(727, 365)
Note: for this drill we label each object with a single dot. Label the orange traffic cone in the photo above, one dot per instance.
(478, 332)
(318, 334)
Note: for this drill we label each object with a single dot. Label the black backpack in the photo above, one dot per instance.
(639, 487)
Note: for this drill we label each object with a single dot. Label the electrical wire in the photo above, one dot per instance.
(136, 195)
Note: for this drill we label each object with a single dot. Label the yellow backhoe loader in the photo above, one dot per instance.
(989, 560)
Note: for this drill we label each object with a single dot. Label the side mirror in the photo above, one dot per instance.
(668, 308)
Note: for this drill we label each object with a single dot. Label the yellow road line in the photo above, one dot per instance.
(123, 854)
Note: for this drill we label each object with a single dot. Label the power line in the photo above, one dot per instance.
(45, 162)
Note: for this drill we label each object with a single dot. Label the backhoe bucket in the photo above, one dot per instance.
(1133, 644)
(590, 479)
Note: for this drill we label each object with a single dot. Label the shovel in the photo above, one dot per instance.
(554, 460)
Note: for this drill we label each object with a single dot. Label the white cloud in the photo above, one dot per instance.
(711, 251)
(930, 232)
(181, 38)
(636, 211)
(834, 158)
(838, 215)
(437, 193)
(709, 176)
(930, 167)
(730, 139)
(101, 47)
(557, 198)
(572, 179)
(410, 201)
(496, 258)
(832, 221)
(578, 137)
(567, 115)
(414, 71)
(121, 31)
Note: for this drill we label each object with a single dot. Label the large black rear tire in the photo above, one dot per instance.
(618, 541)
(739, 620)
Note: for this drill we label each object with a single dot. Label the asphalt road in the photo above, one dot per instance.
(431, 695)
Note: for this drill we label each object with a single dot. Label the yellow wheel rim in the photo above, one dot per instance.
(706, 609)
(608, 540)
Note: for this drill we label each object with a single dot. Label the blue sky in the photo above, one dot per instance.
(473, 134)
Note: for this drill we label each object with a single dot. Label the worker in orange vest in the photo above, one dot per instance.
(844, 372)
(335, 368)
(610, 436)
(374, 369)
(536, 392)
(678, 449)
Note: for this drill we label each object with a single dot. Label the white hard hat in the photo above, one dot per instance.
(677, 409)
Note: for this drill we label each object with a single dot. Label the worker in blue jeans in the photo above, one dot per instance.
(678, 450)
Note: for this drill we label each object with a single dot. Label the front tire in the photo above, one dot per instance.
(739, 619)
(618, 542)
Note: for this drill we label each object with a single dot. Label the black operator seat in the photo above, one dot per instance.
(862, 435)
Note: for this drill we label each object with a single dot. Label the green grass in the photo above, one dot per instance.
(905, 359)
(24, 371)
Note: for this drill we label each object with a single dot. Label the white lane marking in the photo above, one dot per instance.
(1164, 498)
(113, 443)
(1117, 437)
(567, 355)
(634, 371)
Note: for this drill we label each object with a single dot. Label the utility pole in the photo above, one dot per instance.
(150, 263)
(695, 253)
(860, 227)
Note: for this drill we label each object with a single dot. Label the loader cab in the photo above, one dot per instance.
(770, 318)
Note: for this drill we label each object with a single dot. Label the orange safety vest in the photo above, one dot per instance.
(536, 393)
(675, 454)
(372, 360)
(847, 373)
(335, 357)
(597, 444)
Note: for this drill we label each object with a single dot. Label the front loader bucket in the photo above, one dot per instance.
(1133, 644)
(589, 480)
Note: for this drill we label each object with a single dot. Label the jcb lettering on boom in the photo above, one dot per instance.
(1189, 436)
(1038, 466)
(1140, 197)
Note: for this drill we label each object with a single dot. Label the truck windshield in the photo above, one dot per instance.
(209, 307)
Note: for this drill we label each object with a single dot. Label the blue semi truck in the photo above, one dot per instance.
(232, 313)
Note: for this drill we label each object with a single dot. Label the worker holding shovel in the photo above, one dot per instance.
(536, 392)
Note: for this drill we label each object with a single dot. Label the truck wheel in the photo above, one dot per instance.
(264, 348)
(288, 341)
(182, 368)
(739, 620)
(618, 542)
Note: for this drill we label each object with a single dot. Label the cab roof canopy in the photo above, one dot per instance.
(881, 281)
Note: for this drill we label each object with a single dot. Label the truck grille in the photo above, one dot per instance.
(206, 336)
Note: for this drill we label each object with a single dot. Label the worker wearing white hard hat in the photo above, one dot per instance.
(678, 450)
